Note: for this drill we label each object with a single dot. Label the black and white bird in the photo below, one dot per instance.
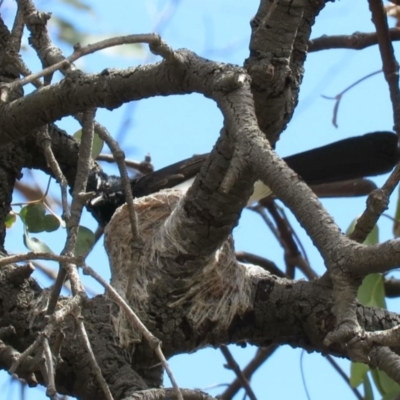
(357, 157)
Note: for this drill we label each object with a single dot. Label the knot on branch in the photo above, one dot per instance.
(352, 339)
(19, 275)
(378, 201)
(230, 81)
(343, 333)
(37, 18)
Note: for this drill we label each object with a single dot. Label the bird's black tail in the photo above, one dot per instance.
(357, 157)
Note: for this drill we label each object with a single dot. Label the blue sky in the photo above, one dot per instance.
(173, 128)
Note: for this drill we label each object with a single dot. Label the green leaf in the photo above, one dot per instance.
(10, 220)
(372, 238)
(97, 146)
(22, 214)
(34, 217)
(368, 393)
(371, 293)
(34, 244)
(357, 373)
(377, 380)
(78, 135)
(391, 396)
(50, 223)
(85, 241)
(97, 143)
(387, 386)
(351, 227)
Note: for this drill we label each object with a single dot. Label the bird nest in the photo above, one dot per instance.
(216, 291)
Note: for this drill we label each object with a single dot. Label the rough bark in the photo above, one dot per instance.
(189, 289)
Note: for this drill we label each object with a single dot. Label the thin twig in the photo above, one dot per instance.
(390, 65)
(60, 336)
(356, 41)
(154, 343)
(339, 96)
(119, 157)
(262, 354)
(261, 211)
(268, 265)
(51, 273)
(22, 357)
(17, 31)
(233, 365)
(151, 38)
(376, 204)
(48, 359)
(289, 240)
(344, 376)
(33, 255)
(92, 359)
(83, 167)
(44, 141)
(145, 167)
(303, 378)
(55, 320)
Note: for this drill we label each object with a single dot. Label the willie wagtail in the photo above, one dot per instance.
(357, 157)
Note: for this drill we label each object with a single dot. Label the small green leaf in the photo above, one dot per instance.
(22, 214)
(97, 146)
(78, 135)
(34, 217)
(351, 227)
(50, 223)
(371, 293)
(377, 379)
(386, 385)
(85, 241)
(10, 220)
(372, 238)
(357, 373)
(388, 388)
(34, 244)
(97, 143)
(391, 396)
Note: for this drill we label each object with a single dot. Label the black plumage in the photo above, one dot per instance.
(357, 157)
